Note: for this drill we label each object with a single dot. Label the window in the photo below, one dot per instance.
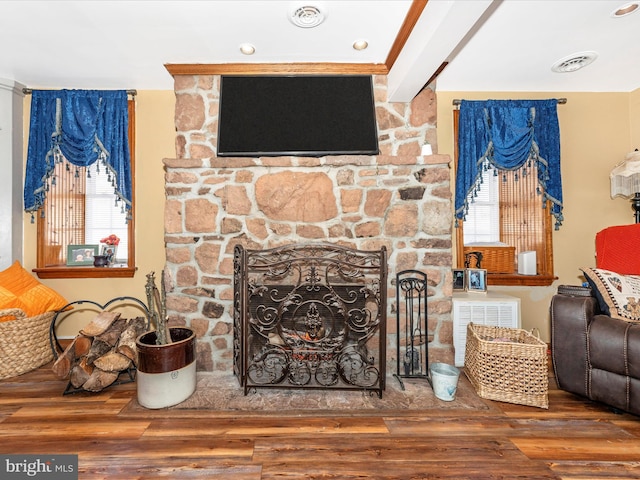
(483, 220)
(81, 209)
(508, 209)
(103, 215)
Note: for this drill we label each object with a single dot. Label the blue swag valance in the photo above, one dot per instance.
(509, 135)
(81, 126)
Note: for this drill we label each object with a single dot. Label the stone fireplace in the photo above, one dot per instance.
(398, 199)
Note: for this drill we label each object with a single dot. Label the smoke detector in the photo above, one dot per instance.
(574, 62)
(307, 16)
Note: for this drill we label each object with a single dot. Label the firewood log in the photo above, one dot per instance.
(112, 362)
(80, 373)
(99, 380)
(82, 345)
(100, 323)
(68, 358)
(98, 348)
(103, 349)
(113, 332)
(127, 343)
(62, 365)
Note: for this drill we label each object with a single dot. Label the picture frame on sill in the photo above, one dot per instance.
(459, 283)
(81, 254)
(476, 280)
(109, 251)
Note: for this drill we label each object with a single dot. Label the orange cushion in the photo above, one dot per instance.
(20, 289)
(618, 249)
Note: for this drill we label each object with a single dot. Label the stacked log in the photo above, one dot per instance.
(102, 350)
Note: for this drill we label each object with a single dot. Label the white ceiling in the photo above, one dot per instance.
(516, 47)
(491, 45)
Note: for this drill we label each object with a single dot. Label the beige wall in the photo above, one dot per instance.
(596, 130)
(634, 119)
(155, 140)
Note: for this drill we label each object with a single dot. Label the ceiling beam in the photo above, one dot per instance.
(413, 15)
(438, 34)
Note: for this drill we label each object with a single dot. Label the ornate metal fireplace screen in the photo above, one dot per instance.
(310, 316)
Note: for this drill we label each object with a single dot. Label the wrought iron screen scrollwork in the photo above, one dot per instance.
(310, 316)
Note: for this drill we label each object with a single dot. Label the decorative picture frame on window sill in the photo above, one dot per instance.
(81, 254)
(476, 280)
(459, 283)
(109, 251)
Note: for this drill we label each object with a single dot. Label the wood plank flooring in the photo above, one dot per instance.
(575, 439)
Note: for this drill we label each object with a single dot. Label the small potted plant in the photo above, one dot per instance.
(166, 356)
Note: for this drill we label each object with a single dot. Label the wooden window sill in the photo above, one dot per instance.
(513, 279)
(62, 271)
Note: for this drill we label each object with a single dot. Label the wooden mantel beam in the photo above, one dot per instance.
(276, 68)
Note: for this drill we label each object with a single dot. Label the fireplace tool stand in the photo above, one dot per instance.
(412, 337)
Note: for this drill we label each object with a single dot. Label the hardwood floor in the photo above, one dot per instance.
(574, 439)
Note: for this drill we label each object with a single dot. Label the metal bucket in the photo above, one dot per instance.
(444, 378)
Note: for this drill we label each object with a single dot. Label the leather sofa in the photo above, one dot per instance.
(594, 355)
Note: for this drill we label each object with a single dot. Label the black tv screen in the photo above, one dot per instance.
(297, 115)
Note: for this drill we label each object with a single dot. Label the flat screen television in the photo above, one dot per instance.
(309, 115)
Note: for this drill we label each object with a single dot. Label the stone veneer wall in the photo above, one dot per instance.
(398, 198)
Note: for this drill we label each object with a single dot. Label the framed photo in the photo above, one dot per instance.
(81, 254)
(458, 280)
(109, 250)
(476, 280)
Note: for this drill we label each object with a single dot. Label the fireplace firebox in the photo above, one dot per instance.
(310, 316)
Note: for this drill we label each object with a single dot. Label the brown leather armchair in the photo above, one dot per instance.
(594, 355)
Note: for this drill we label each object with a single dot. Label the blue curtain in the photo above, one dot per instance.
(509, 135)
(81, 126)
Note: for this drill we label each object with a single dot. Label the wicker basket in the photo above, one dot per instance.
(499, 259)
(24, 342)
(508, 365)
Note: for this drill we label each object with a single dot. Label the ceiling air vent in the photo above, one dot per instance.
(307, 17)
(574, 62)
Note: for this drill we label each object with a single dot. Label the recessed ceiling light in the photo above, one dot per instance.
(574, 62)
(360, 44)
(625, 9)
(307, 16)
(247, 49)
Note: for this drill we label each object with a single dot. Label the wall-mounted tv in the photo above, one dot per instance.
(309, 115)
